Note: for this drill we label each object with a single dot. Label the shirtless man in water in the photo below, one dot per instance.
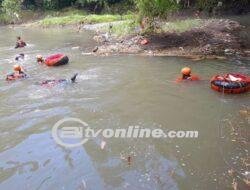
(20, 43)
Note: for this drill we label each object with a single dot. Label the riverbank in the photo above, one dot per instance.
(66, 17)
(192, 38)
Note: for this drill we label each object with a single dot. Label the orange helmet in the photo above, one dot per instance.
(186, 71)
(17, 68)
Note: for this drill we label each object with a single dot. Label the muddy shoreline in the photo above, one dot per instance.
(215, 39)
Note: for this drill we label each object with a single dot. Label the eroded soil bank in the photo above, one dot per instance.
(215, 38)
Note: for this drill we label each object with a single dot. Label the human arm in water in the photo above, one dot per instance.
(14, 76)
(60, 81)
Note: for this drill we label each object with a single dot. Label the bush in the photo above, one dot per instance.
(151, 9)
(50, 4)
(12, 8)
(156, 8)
(206, 4)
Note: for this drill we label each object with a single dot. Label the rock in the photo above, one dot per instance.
(181, 48)
(95, 49)
(229, 51)
(74, 48)
(97, 38)
(101, 38)
(207, 49)
(86, 53)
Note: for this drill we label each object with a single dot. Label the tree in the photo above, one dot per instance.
(12, 8)
(152, 9)
(156, 8)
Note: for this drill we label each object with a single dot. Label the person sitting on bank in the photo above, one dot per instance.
(20, 43)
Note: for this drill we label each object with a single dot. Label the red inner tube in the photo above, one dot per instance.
(231, 83)
(56, 60)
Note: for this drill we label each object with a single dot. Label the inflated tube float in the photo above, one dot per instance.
(231, 83)
(56, 60)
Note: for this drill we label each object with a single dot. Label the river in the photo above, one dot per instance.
(111, 92)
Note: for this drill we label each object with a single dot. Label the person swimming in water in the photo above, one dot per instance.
(20, 43)
(50, 83)
(19, 57)
(17, 74)
(187, 76)
(39, 59)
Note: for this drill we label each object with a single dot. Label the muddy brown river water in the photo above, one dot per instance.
(111, 92)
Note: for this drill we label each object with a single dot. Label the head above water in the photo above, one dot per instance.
(17, 68)
(186, 71)
(39, 58)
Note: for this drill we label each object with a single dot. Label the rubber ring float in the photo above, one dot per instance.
(57, 60)
(231, 83)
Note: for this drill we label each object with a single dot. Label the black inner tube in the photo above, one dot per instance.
(63, 61)
(229, 84)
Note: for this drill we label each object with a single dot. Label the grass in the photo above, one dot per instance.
(123, 28)
(128, 27)
(181, 25)
(67, 16)
(80, 18)
(4, 19)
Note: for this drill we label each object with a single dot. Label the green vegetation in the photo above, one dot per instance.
(149, 10)
(4, 19)
(11, 9)
(120, 29)
(156, 8)
(129, 27)
(181, 25)
(81, 18)
(226, 4)
(124, 28)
